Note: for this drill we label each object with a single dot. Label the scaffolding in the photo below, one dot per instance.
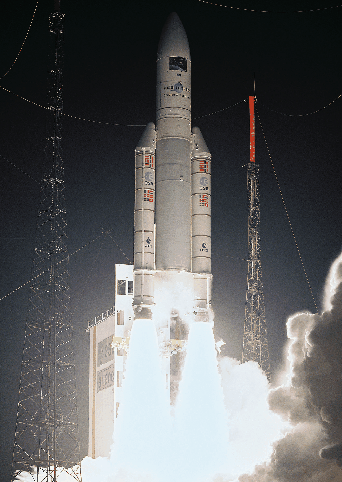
(46, 434)
(255, 345)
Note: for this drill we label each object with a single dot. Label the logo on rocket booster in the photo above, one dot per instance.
(204, 247)
(148, 195)
(148, 178)
(148, 243)
(204, 184)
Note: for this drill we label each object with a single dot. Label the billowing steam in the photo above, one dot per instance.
(311, 398)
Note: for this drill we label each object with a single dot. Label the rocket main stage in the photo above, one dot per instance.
(172, 214)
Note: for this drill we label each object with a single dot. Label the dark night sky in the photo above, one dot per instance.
(109, 76)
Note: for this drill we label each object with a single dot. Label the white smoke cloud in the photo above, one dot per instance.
(332, 283)
(252, 426)
(311, 398)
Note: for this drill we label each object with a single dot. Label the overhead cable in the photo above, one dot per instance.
(244, 9)
(18, 168)
(69, 115)
(302, 115)
(195, 118)
(22, 45)
(287, 213)
(24, 98)
(108, 233)
(40, 274)
(221, 110)
(103, 233)
(104, 123)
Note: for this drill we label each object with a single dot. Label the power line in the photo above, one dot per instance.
(18, 168)
(116, 244)
(220, 110)
(117, 124)
(287, 214)
(255, 10)
(302, 115)
(69, 115)
(26, 100)
(22, 45)
(66, 259)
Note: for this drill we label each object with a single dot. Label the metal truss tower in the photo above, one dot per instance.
(46, 435)
(255, 345)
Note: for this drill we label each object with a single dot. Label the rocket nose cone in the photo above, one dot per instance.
(199, 144)
(148, 137)
(173, 40)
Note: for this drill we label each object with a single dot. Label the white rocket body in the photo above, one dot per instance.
(173, 153)
(172, 217)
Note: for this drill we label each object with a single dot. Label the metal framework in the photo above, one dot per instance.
(46, 435)
(255, 345)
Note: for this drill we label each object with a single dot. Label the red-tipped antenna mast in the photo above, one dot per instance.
(255, 345)
(251, 129)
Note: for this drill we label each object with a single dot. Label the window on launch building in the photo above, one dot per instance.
(120, 317)
(129, 287)
(121, 287)
(178, 63)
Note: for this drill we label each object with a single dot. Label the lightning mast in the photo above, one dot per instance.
(255, 346)
(46, 434)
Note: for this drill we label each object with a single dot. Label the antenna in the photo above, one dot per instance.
(251, 130)
(46, 434)
(255, 345)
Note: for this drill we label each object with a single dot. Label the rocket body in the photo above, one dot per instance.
(173, 153)
(172, 216)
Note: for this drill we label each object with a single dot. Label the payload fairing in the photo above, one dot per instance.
(172, 216)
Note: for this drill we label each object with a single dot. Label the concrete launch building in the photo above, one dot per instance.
(172, 243)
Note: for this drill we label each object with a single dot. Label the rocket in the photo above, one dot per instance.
(172, 214)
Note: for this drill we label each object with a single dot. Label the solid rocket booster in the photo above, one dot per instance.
(172, 217)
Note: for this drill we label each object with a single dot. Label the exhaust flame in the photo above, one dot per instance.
(143, 425)
(200, 416)
(194, 444)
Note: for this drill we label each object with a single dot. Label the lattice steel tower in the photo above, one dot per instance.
(255, 345)
(46, 434)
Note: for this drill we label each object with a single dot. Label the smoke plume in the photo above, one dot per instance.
(311, 398)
